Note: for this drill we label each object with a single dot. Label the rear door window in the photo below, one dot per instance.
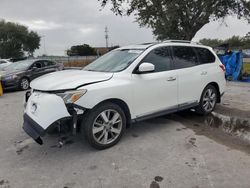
(184, 57)
(160, 58)
(205, 56)
(48, 63)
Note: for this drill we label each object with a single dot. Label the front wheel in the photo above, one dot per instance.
(208, 100)
(104, 125)
(24, 84)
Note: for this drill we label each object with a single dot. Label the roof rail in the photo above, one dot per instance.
(148, 43)
(181, 41)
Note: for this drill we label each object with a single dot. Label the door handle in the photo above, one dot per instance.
(171, 79)
(204, 73)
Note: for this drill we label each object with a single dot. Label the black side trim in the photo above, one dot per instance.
(187, 106)
(165, 112)
(157, 114)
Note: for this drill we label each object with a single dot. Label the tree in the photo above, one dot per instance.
(16, 40)
(32, 43)
(81, 50)
(235, 42)
(178, 19)
(211, 42)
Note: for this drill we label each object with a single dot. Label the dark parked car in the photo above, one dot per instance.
(19, 74)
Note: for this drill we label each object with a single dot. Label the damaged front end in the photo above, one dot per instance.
(43, 110)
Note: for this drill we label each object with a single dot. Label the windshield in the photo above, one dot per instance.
(114, 61)
(20, 65)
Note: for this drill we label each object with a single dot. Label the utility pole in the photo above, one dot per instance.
(44, 46)
(107, 36)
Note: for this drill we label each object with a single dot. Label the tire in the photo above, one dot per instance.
(208, 100)
(24, 84)
(104, 125)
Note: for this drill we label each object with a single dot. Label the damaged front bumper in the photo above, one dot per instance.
(43, 110)
(33, 129)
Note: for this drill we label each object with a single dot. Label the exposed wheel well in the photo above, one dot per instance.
(124, 106)
(217, 89)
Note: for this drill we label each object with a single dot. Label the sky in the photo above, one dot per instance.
(63, 23)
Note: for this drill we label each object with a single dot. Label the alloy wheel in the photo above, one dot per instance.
(209, 100)
(107, 127)
(25, 84)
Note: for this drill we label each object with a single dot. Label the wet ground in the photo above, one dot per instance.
(236, 101)
(178, 150)
(233, 132)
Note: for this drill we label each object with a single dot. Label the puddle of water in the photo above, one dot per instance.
(239, 127)
(233, 132)
(235, 126)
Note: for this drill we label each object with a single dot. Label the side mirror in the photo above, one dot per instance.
(146, 67)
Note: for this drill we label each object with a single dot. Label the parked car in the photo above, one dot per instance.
(127, 85)
(21, 73)
(4, 63)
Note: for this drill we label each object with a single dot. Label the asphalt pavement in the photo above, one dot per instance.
(179, 150)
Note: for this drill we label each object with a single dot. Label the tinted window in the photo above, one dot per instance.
(205, 56)
(160, 58)
(48, 63)
(38, 64)
(184, 57)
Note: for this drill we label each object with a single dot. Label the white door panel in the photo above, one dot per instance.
(190, 84)
(154, 92)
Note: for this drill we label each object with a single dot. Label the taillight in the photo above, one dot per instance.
(223, 67)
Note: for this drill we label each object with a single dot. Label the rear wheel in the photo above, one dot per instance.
(104, 125)
(208, 100)
(24, 84)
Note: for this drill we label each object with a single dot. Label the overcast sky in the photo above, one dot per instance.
(69, 22)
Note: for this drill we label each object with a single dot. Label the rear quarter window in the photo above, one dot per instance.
(205, 56)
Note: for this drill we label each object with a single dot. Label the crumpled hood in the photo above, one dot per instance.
(68, 79)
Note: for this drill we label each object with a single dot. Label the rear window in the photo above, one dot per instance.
(205, 56)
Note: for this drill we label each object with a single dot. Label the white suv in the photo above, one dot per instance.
(127, 85)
